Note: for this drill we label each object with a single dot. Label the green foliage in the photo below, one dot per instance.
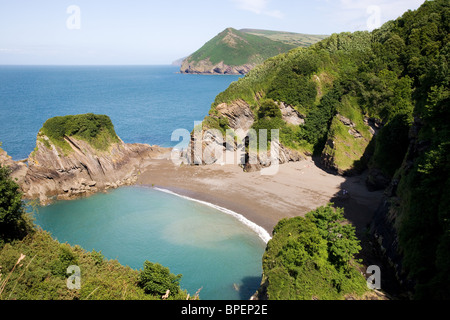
(156, 279)
(269, 109)
(65, 259)
(392, 144)
(236, 48)
(14, 222)
(318, 121)
(41, 275)
(313, 258)
(97, 130)
(292, 84)
(339, 235)
(394, 74)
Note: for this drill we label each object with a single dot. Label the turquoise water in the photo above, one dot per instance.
(145, 103)
(213, 250)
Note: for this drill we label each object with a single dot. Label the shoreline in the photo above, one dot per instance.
(260, 231)
(298, 188)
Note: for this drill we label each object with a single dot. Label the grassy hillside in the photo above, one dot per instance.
(394, 83)
(296, 39)
(237, 48)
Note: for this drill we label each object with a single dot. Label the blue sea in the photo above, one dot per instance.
(145, 103)
(211, 249)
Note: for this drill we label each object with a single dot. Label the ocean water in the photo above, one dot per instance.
(213, 249)
(145, 103)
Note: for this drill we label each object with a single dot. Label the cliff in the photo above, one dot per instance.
(375, 101)
(70, 167)
(210, 143)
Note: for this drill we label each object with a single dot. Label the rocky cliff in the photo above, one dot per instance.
(210, 143)
(207, 67)
(61, 173)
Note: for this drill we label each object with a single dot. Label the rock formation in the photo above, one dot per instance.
(207, 67)
(56, 174)
(210, 145)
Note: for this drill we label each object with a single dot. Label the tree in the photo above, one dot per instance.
(157, 279)
(14, 222)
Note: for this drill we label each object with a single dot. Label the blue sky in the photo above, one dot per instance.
(147, 32)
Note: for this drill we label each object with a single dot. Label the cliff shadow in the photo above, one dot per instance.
(360, 208)
(248, 287)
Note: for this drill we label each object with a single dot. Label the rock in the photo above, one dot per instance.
(53, 173)
(210, 147)
(18, 168)
(239, 114)
(290, 115)
(206, 67)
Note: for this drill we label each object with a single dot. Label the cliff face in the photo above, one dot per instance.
(207, 67)
(210, 144)
(67, 166)
(18, 169)
(55, 173)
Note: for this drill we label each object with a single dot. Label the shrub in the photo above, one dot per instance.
(14, 222)
(156, 279)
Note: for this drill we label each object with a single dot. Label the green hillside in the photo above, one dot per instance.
(236, 48)
(377, 101)
(296, 39)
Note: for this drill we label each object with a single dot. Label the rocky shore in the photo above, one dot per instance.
(51, 173)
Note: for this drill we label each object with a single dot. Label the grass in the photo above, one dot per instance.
(97, 130)
(35, 269)
(347, 150)
(237, 48)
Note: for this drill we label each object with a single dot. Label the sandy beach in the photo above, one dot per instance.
(296, 189)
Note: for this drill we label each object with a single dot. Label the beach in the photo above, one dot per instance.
(295, 190)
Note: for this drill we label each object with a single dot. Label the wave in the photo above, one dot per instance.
(260, 231)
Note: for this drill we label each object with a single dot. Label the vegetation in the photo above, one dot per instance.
(396, 76)
(156, 279)
(97, 130)
(236, 48)
(296, 39)
(240, 47)
(313, 258)
(33, 266)
(14, 222)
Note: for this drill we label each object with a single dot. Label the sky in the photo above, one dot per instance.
(155, 32)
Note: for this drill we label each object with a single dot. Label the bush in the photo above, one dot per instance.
(313, 257)
(156, 279)
(14, 222)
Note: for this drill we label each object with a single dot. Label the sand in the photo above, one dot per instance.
(296, 189)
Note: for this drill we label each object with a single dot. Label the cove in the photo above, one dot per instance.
(212, 250)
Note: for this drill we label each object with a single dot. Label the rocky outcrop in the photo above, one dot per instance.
(206, 67)
(290, 114)
(56, 174)
(344, 152)
(18, 168)
(211, 146)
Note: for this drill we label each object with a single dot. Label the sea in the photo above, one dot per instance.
(217, 251)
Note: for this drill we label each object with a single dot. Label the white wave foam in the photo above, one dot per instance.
(260, 231)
